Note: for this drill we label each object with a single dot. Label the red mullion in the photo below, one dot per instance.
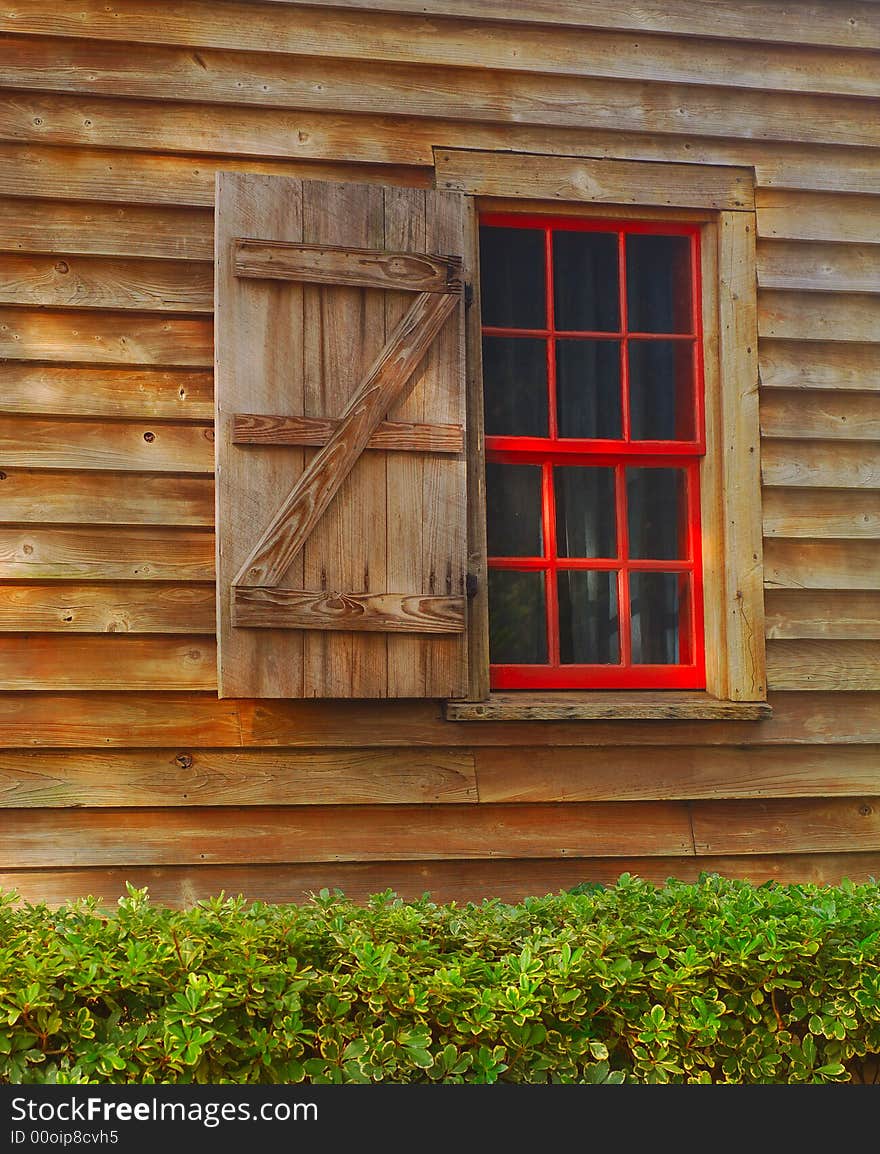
(695, 552)
(624, 344)
(596, 676)
(550, 591)
(623, 620)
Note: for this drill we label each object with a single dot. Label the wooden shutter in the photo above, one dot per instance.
(341, 513)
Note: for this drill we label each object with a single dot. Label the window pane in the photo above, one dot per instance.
(588, 388)
(512, 290)
(588, 630)
(661, 395)
(517, 619)
(515, 386)
(658, 607)
(658, 284)
(585, 521)
(585, 281)
(513, 510)
(656, 513)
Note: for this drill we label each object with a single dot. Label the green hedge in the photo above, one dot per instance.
(713, 982)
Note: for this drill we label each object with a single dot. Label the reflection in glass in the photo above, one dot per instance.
(585, 518)
(658, 603)
(512, 290)
(656, 513)
(513, 510)
(658, 284)
(515, 386)
(661, 375)
(517, 619)
(585, 282)
(588, 388)
(588, 626)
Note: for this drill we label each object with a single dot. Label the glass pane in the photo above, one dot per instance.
(658, 284)
(588, 388)
(585, 521)
(585, 282)
(515, 386)
(588, 630)
(656, 513)
(659, 608)
(661, 395)
(512, 289)
(517, 618)
(513, 510)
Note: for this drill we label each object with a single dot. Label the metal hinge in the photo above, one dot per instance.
(470, 585)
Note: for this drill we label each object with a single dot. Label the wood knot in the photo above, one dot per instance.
(62, 266)
(149, 438)
(865, 810)
(184, 760)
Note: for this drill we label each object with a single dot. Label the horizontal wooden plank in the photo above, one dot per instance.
(445, 39)
(358, 267)
(819, 267)
(791, 614)
(817, 215)
(94, 69)
(835, 665)
(507, 880)
(61, 390)
(819, 316)
(236, 777)
(344, 833)
(604, 705)
(124, 608)
(815, 365)
(566, 774)
(818, 826)
(256, 429)
(364, 612)
(105, 338)
(102, 553)
(102, 497)
(596, 181)
(112, 719)
(53, 226)
(823, 465)
(40, 661)
(821, 513)
(805, 564)
(63, 443)
(98, 282)
(101, 174)
(828, 415)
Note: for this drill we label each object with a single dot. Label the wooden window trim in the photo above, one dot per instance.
(721, 200)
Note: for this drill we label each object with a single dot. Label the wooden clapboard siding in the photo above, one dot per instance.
(94, 282)
(564, 774)
(819, 267)
(122, 608)
(62, 443)
(62, 390)
(105, 554)
(444, 39)
(178, 835)
(826, 415)
(105, 497)
(236, 778)
(840, 665)
(121, 762)
(45, 661)
(104, 338)
(509, 879)
(820, 464)
(839, 614)
(821, 513)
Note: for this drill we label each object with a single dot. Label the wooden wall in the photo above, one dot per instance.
(118, 761)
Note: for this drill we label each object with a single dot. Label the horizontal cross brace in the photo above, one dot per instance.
(352, 267)
(259, 608)
(255, 429)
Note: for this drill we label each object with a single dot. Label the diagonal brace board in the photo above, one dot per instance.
(382, 386)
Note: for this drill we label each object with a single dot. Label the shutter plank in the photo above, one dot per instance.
(377, 612)
(253, 429)
(355, 267)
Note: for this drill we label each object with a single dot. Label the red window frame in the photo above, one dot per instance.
(618, 454)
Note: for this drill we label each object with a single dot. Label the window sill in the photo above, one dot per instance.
(606, 706)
